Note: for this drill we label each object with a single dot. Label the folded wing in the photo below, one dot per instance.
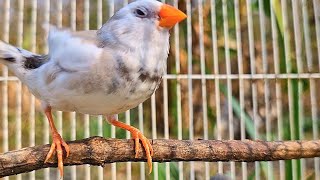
(73, 51)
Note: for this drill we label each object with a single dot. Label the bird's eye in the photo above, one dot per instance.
(140, 12)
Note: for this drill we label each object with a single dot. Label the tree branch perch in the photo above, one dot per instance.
(99, 151)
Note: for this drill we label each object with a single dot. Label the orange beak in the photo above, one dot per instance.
(169, 16)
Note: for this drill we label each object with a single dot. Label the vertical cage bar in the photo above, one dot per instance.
(86, 14)
(154, 132)
(253, 85)
(73, 134)
(142, 164)
(20, 25)
(316, 7)
(266, 81)
(166, 120)
(287, 43)
(99, 13)
(177, 63)
(307, 40)
(100, 133)
(113, 165)
(278, 85)
(241, 83)
(73, 14)
(86, 135)
(128, 164)
(216, 71)
(6, 20)
(59, 13)
(18, 83)
(18, 118)
(190, 96)
(298, 50)
(287, 56)
(203, 81)
(229, 84)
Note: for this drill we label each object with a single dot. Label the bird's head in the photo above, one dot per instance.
(141, 27)
(139, 19)
(150, 12)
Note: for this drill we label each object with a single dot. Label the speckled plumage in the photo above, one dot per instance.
(100, 72)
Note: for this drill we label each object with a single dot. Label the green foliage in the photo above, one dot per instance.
(238, 111)
(174, 172)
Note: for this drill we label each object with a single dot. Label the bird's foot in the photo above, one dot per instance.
(56, 145)
(137, 135)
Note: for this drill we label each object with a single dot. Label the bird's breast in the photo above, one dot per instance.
(107, 95)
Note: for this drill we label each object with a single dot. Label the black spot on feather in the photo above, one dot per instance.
(34, 62)
(147, 76)
(122, 69)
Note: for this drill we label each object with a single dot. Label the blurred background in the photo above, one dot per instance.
(237, 69)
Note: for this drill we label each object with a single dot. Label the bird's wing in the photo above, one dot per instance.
(73, 51)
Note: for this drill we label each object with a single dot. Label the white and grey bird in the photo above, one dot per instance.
(103, 72)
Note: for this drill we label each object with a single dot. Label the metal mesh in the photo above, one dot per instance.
(237, 70)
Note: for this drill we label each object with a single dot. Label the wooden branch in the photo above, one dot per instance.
(99, 151)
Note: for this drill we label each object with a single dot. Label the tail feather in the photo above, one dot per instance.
(10, 54)
(15, 57)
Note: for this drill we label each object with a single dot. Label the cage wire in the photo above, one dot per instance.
(237, 70)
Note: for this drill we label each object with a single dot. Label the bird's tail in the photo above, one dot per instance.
(10, 55)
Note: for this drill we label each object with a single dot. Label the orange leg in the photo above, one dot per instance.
(57, 142)
(136, 135)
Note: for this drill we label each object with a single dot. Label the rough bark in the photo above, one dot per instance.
(99, 151)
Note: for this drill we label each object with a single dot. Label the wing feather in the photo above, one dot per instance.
(73, 51)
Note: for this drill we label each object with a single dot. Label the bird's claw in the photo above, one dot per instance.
(137, 135)
(56, 145)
